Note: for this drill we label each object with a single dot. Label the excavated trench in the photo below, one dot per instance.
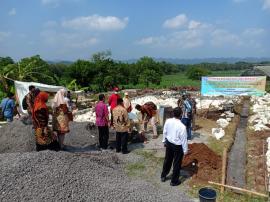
(237, 155)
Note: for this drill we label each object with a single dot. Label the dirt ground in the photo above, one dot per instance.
(256, 161)
(205, 125)
(202, 164)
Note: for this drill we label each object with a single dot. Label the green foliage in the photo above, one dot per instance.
(102, 73)
(4, 62)
(195, 73)
(30, 69)
(73, 85)
(149, 71)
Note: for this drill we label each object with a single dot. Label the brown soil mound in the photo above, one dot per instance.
(202, 163)
(186, 88)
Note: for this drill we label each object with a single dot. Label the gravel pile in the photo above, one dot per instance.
(16, 137)
(63, 176)
(79, 175)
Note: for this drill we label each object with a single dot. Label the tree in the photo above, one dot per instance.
(149, 71)
(195, 73)
(4, 62)
(30, 69)
(150, 76)
(83, 71)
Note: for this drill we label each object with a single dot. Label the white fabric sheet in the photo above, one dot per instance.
(22, 89)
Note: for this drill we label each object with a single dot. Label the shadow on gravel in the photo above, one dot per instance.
(74, 149)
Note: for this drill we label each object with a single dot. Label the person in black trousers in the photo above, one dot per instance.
(102, 121)
(175, 141)
(121, 124)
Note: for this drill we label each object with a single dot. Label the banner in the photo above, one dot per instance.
(214, 86)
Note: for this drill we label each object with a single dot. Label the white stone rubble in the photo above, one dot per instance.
(261, 113)
(88, 116)
(268, 160)
(218, 133)
(223, 123)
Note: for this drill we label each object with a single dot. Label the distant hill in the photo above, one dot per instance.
(207, 60)
(230, 60)
(66, 62)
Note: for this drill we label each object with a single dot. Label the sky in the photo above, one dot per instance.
(130, 29)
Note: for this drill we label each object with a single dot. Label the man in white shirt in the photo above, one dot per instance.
(175, 141)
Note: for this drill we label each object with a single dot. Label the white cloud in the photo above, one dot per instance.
(176, 22)
(96, 22)
(266, 4)
(4, 35)
(194, 24)
(253, 32)
(186, 39)
(151, 41)
(192, 35)
(12, 12)
(67, 40)
(222, 37)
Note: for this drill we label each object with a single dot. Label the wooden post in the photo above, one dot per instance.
(223, 172)
(239, 189)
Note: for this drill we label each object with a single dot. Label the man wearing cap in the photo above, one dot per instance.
(127, 103)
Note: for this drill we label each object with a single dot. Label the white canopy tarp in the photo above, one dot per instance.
(22, 88)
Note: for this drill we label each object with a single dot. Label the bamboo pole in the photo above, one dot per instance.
(223, 173)
(239, 189)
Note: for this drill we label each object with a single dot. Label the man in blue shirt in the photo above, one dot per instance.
(187, 115)
(8, 106)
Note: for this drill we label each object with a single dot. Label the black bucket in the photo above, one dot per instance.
(207, 195)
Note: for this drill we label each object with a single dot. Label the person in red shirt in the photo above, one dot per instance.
(113, 101)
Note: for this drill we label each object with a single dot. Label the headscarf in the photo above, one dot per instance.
(59, 98)
(40, 101)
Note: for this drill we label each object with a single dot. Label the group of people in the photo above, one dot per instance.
(176, 131)
(119, 109)
(38, 113)
(119, 120)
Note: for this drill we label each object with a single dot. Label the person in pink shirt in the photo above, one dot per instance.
(102, 122)
(113, 101)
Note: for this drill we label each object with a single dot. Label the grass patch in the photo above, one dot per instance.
(226, 142)
(146, 169)
(134, 169)
(228, 139)
(180, 79)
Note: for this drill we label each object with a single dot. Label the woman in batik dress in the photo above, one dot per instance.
(60, 116)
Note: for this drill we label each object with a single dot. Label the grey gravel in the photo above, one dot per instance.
(80, 175)
(63, 176)
(16, 137)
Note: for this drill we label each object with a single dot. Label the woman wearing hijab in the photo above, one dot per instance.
(45, 138)
(60, 116)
